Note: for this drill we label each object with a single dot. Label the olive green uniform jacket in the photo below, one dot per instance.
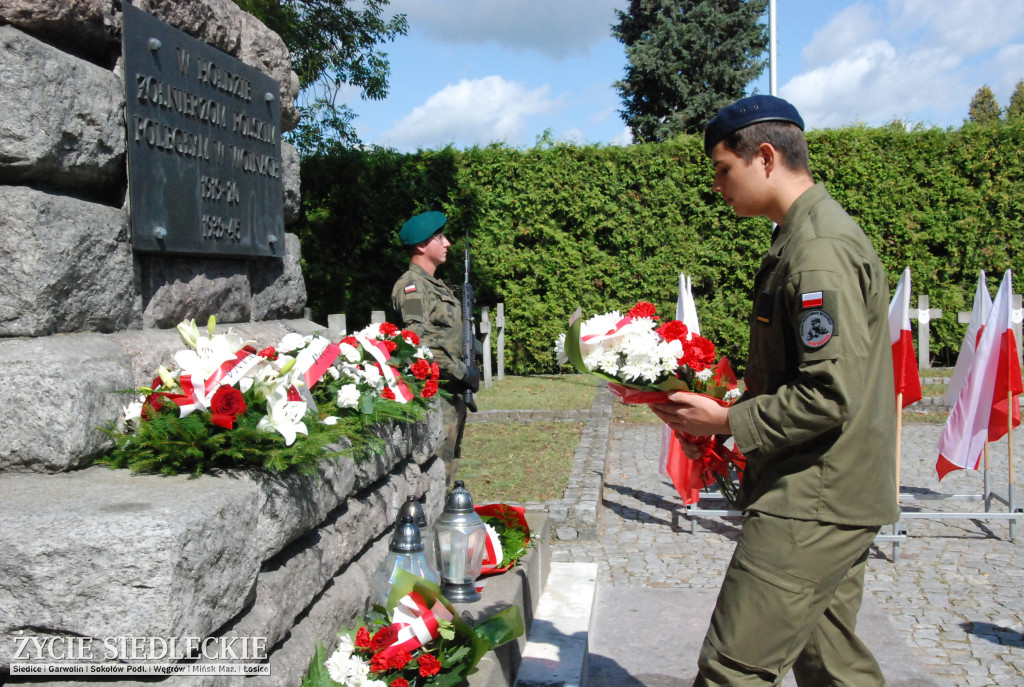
(817, 419)
(429, 307)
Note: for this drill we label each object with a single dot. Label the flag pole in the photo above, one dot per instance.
(1010, 400)
(899, 440)
(986, 484)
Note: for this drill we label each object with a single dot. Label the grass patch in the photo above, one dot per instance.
(540, 392)
(511, 461)
(634, 415)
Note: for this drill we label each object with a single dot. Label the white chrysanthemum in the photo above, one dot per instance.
(292, 341)
(350, 353)
(600, 324)
(345, 667)
(424, 352)
(372, 375)
(348, 396)
(560, 350)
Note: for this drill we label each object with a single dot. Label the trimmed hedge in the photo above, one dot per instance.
(560, 226)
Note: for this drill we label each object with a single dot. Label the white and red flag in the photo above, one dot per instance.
(904, 360)
(987, 402)
(979, 315)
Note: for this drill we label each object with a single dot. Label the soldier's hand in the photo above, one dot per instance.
(472, 379)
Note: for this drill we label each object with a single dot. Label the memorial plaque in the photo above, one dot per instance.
(204, 146)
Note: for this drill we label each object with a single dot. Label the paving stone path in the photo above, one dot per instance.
(955, 591)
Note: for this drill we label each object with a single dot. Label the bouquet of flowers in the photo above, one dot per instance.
(421, 641)
(508, 536)
(227, 403)
(644, 362)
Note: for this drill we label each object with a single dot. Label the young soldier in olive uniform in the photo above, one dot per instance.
(816, 422)
(428, 307)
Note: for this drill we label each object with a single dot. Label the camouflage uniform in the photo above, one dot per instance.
(429, 307)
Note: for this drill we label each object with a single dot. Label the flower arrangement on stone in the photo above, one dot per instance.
(508, 536)
(421, 641)
(644, 361)
(227, 403)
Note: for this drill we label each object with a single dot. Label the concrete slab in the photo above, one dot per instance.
(651, 638)
(555, 653)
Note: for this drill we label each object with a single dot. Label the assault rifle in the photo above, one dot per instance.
(468, 342)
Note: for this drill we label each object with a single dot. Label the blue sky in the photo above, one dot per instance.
(474, 72)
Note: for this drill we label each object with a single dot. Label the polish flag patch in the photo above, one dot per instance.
(410, 288)
(810, 300)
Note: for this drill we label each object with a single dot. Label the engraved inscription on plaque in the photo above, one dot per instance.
(204, 146)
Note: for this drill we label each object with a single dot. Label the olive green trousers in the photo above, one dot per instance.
(789, 600)
(453, 414)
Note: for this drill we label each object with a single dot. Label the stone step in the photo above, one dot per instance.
(556, 652)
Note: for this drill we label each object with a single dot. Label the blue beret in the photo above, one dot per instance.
(421, 227)
(756, 108)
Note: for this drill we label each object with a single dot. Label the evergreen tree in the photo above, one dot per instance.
(685, 60)
(332, 42)
(984, 108)
(1015, 110)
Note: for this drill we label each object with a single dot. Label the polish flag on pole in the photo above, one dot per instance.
(988, 399)
(979, 315)
(904, 360)
(673, 463)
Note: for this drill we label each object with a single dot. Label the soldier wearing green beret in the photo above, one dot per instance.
(816, 420)
(428, 306)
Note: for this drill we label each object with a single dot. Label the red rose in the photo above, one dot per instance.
(388, 329)
(248, 348)
(400, 682)
(429, 665)
(362, 638)
(420, 369)
(270, 353)
(429, 388)
(157, 382)
(411, 336)
(673, 330)
(152, 405)
(388, 394)
(643, 309)
(384, 638)
(399, 659)
(226, 404)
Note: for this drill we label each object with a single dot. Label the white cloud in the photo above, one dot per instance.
(843, 34)
(962, 26)
(557, 28)
(624, 138)
(471, 112)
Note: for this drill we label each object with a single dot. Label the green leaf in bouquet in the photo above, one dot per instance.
(366, 403)
(572, 343)
(317, 675)
(503, 626)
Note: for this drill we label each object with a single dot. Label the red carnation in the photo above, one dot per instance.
(420, 369)
(399, 682)
(429, 665)
(270, 353)
(429, 388)
(362, 638)
(379, 663)
(399, 659)
(411, 336)
(384, 638)
(350, 340)
(643, 309)
(388, 394)
(390, 345)
(226, 404)
(388, 329)
(435, 371)
(700, 353)
(673, 330)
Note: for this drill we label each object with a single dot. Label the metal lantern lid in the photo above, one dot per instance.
(406, 538)
(414, 509)
(459, 499)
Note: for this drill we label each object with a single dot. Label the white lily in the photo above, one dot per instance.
(209, 354)
(189, 332)
(166, 378)
(133, 413)
(284, 416)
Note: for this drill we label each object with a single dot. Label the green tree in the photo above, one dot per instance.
(1015, 110)
(332, 43)
(984, 107)
(685, 60)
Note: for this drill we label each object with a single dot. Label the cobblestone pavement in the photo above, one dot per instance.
(955, 591)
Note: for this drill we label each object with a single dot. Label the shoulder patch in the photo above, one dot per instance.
(410, 288)
(811, 300)
(816, 328)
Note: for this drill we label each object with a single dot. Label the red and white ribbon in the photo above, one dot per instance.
(312, 362)
(198, 392)
(417, 623)
(493, 553)
(598, 338)
(380, 353)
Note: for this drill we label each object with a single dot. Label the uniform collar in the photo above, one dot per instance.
(784, 231)
(413, 267)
